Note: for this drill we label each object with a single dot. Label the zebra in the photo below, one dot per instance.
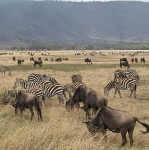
(129, 74)
(34, 77)
(71, 88)
(123, 84)
(42, 89)
(29, 87)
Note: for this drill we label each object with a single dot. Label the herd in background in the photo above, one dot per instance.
(100, 117)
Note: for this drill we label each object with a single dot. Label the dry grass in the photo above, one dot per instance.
(62, 130)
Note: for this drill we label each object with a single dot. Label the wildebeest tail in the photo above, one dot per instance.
(143, 124)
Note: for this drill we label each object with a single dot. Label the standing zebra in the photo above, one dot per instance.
(34, 77)
(123, 84)
(42, 88)
(129, 74)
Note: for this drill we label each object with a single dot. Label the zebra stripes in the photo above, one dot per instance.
(41, 87)
(129, 74)
(123, 84)
(34, 77)
(71, 88)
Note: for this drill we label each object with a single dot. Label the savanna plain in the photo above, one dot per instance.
(63, 130)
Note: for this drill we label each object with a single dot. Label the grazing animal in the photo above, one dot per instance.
(136, 60)
(123, 84)
(35, 77)
(116, 121)
(4, 69)
(42, 88)
(76, 78)
(88, 61)
(142, 60)
(37, 62)
(129, 74)
(132, 60)
(124, 62)
(14, 58)
(90, 99)
(59, 59)
(20, 61)
(27, 100)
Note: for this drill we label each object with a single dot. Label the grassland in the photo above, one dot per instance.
(62, 130)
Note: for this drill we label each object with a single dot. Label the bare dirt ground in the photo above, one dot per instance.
(62, 130)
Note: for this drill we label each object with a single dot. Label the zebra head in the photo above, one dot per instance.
(108, 87)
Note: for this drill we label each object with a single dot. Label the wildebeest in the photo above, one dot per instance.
(142, 60)
(124, 62)
(59, 59)
(132, 60)
(4, 69)
(117, 121)
(37, 62)
(20, 61)
(90, 99)
(76, 78)
(88, 60)
(136, 60)
(27, 100)
(14, 58)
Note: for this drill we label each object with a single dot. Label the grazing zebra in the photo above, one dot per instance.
(129, 74)
(123, 84)
(29, 87)
(42, 89)
(34, 77)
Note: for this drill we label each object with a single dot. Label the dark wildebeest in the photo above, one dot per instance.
(31, 58)
(88, 60)
(117, 121)
(59, 59)
(27, 100)
(20, 61)
(132, 60)
(142, 60)
(76, 78)
(90, 99)
(46, 59)
(14, 58)
(37, 62)
(124, 62)
(136, 60)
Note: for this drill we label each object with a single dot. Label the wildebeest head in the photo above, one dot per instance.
(80, 94)
(95, 124)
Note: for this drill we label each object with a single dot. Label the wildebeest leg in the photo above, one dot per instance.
(61, 100)
(32, 112)
(38, 109)
(130, 133)
(123, 134)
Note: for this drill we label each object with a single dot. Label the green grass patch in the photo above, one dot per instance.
(71, 67)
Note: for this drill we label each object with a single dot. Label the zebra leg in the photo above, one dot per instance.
(119, 93)
(115, 92)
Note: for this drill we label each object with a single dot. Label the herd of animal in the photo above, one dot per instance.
(100, 117)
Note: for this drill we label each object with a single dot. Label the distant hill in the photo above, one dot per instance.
(70, 22)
